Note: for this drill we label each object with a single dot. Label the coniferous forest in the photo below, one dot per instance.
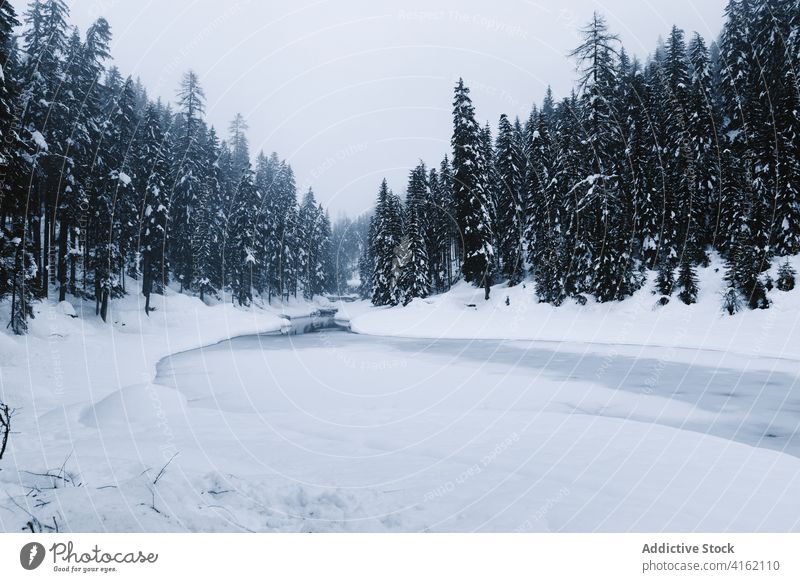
(99, 182)
(581, 316)
(646, 167)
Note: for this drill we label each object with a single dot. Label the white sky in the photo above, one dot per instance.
(350, 91)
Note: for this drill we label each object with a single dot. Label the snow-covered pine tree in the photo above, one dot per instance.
(324, 275)
(122, 121)
(269, 213)
(703, 129)
(415, 277)
(152, 172)
(601, 201)
(776, 139)
(386, 231)
(17, 265)
(240, 147)
(314, 233)
(443, 233)
(687, 281)
(366, 264)
(288, 233)
(471, 192)
(241, 260)
(95, 160)
(682, 207)
(44, 119)
(188, 178)
(206, 237)
(786, 277)
(547, 208)
(746, 170)
(509, 174)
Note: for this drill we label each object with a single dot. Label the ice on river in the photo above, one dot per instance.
(450, 435)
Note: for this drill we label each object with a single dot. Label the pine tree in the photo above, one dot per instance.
(601, 202)
(316, 261)
(510, 204)
(547, 210)
(44, 120)
(17, 266)
(687, 281)
(443, 227)
(681, 201)
(786, 277)
(366, 265)
(152, 170)
(386, 233)
(206, 238)
(240, 148)
(188, 179)
(703, 134)
(471, 192)
(92, 169)
(241, 258)
(414, 280)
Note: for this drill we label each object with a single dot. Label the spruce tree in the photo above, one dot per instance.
(188, 179)
(241, 259)
(152, 171)
(17, 264)
(510, 203)
(601, 202)
(471, 193)
(415, 278)
(386, 234)
(786, 277)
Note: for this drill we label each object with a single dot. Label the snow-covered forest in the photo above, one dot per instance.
(647, 166)
(585, 319)
(100, 182)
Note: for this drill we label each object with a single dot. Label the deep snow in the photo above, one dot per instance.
(462, 313)
(619, 417)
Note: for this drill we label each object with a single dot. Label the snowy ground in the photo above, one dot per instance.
(638, 321)
(69, 360)
(619, 418)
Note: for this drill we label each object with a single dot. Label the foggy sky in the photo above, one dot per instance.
(350, 91)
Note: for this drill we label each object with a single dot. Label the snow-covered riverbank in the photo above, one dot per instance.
(675, 418)
(514, 313)
(71, 360)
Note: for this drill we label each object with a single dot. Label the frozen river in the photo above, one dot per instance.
(451, 435)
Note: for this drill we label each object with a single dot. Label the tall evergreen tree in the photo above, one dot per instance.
(189, 179)
(152, 174)
(415, 272)
(510, 204)
(386, 234)
(471, 193)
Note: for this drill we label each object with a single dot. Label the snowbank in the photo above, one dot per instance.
(73, 371)
(514, 313)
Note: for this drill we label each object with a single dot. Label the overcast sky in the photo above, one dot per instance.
(350, 91)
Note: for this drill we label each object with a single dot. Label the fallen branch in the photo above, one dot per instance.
(5, 426)
(164, 468)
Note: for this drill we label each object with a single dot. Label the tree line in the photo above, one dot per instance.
(645, 166)
(99, 184)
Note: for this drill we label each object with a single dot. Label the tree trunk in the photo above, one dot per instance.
(147, 282)
(73, 261)
(62, 260)
(104, 305)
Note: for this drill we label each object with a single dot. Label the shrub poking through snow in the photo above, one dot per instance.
(786, 277)
(731, 301)
(687, 280)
